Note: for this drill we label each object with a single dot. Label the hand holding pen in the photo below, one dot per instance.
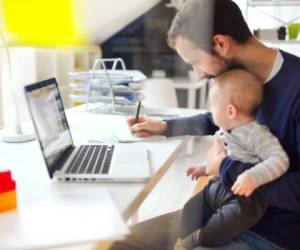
(137, 114)
(142, 127)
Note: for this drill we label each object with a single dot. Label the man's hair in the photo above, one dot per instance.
(199, 20)
(241, 89)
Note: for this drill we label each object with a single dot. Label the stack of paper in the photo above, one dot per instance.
(126, 85)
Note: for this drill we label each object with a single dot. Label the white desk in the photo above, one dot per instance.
(28, 168)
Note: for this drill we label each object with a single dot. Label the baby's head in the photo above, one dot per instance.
(234, 98)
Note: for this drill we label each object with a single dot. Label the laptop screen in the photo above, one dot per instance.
(49, 119)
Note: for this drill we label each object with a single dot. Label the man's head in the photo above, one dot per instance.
(204, 33)
(234, 98)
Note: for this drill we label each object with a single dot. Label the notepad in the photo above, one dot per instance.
(132, 138)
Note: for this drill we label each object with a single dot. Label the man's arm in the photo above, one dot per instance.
(273, 193)
(201, 124)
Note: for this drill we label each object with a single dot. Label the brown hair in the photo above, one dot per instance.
(199, 20)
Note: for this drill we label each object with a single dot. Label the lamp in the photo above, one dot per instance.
(31, 23)
(17, 134)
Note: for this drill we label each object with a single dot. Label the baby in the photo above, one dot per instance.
(216, 215)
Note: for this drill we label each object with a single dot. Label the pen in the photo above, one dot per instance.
(137, 113)
(149, 162)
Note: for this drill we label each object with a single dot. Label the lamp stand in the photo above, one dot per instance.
(13, 137)
(17, 134)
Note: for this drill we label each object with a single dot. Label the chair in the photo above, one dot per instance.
(201, 183)
(160, 92)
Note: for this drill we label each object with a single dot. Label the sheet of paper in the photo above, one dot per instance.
(123, 134)
(109, 129)
(60, 219)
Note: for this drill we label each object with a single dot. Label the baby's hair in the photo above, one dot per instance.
(241, 89)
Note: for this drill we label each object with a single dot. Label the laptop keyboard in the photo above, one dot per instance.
(91, 159)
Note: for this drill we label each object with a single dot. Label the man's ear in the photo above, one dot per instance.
(232, 111)
(222, 45)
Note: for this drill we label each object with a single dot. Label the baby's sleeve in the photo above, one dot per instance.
(274, 160)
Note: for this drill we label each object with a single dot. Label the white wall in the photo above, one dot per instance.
(256, 19)
(101, 18)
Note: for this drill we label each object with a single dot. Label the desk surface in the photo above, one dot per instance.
(29, 170)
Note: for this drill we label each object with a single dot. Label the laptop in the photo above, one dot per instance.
(83, 163)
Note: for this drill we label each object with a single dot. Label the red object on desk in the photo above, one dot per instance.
(8, 199)
(6, 182)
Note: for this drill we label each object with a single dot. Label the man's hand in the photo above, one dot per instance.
(196, 171)
(215, 156)
(146, 127)
(244, 185)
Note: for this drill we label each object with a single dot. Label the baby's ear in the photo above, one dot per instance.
(232, 111)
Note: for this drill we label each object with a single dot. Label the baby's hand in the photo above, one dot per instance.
(196, 171)
(244, 185)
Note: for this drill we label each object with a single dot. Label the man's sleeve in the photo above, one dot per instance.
(201, 124)
(273, 193)
(285, 192)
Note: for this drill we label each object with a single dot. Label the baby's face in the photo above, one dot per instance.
(218, 108)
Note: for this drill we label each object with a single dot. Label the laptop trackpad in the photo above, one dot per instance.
(132, 164)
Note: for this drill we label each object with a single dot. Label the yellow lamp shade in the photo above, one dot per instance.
(41, 22)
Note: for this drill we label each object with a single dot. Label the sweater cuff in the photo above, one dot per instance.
(170, 128)
(226, 177)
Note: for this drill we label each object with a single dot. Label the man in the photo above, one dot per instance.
(230, 44)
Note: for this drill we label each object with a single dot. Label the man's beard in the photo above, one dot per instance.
(229, 65)
(233, 64)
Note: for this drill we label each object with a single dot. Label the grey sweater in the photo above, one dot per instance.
(254, 143)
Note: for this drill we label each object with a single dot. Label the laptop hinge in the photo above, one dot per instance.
(61, 160)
